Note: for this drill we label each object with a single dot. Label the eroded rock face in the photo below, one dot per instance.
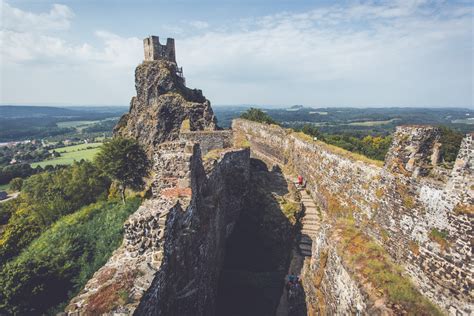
(162, 103)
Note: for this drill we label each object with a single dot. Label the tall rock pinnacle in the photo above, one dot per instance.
(163, 101)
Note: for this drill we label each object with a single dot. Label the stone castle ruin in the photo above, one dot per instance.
(155, 51)
(174, 245)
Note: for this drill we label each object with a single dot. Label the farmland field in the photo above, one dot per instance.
(75, 124)
(372, 123)
(68, 149)
(70, 154)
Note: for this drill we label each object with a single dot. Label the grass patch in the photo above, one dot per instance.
(371, 262)
(240, 140)
(185, 126)
(289, 208)
(68, 149)
(440, 237)
(213, 154)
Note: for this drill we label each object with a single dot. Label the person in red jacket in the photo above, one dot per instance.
(300, 180)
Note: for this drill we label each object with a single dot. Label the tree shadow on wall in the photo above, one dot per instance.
(259, 251)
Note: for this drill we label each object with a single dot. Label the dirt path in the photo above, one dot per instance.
(11, 197)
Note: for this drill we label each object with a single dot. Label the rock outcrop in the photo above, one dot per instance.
(161, 105)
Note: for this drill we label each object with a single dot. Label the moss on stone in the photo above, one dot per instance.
(440, 237)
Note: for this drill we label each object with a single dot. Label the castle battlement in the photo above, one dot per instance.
(155, 51)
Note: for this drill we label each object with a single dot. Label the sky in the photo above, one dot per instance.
(257, 52)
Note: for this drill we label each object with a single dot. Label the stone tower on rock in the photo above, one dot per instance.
(155, 51)
(163, 102)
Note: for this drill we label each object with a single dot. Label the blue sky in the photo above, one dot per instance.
(273, 52)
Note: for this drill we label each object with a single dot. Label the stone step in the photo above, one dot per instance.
(306, 240)
(315, 226)
(309, 231)
(305, 247)
(311, 221)
(305, 253)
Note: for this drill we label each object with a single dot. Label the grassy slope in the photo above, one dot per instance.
(59, 262)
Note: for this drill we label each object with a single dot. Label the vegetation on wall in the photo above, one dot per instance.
(257, 115)
(373, 265)
(450, 143)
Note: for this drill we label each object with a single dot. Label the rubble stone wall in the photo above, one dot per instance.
(173, 248)
(209, 140)
(425, 225)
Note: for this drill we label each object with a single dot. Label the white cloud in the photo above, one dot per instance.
(393, 53)
(199, 24)
(13, 19)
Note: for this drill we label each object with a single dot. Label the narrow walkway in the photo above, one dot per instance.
(311, 223)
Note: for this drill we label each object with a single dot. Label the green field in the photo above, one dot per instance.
(70, 154)
(372, 123)
(80, 147)
(79, 125)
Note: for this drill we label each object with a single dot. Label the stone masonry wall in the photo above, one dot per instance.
(173, 246)
(208, 140)
(425, 225)
(342, 295)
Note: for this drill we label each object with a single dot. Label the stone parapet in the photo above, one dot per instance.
(424, 226)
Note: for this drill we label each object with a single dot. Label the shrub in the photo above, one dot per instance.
(257, 115)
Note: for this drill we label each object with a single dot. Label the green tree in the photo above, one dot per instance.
(450, 143)
(257, 115)
(16, 184)
(124, 161)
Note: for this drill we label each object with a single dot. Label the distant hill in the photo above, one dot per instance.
(27, 122)
(12, 111)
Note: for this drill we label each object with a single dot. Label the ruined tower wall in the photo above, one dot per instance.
(208, 140)
(404, 213)
(155, 51)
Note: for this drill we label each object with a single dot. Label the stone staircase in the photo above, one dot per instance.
(311, 223)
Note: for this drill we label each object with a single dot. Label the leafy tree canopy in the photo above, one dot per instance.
(124, 161)
(257, 115)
